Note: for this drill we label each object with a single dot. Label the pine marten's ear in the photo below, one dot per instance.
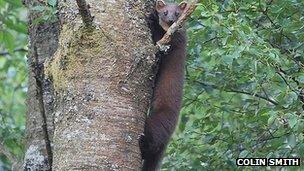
(183, 5)
(159, 5)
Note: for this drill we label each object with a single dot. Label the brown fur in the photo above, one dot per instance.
(167, 96)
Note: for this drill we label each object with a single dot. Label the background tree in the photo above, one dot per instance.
(243, 92)
(13, 82)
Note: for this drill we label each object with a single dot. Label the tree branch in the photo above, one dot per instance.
(161, 44)
(280, 73)
(85, 13)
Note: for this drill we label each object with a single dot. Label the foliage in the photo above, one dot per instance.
(48, 10)
(13, 76)
(245, 75)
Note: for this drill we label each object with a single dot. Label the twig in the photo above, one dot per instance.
(241, 92)
(175, 26)
(7, 153)
(286, 82)
(253, 94)
(85, 13)
(16, 50)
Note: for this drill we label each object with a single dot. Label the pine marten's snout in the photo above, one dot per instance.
(170, 22)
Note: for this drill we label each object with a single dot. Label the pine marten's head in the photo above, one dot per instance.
(169, 13)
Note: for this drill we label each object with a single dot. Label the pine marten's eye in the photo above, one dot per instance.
(166, 13)
(176, 14)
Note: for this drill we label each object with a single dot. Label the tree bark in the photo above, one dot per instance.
(88, 100)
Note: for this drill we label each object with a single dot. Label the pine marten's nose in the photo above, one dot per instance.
(171, 22)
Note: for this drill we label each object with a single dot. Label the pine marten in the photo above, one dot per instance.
(167, 95)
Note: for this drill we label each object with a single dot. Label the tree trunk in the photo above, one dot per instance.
(94, 90)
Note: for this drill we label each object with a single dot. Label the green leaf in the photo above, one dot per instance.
(301, 78)
(15, 3)
(1, 35)
(8, 40)
(243, 154)
(19, 27)
(291, 141)
(52, 2)
(292, 120)
(38, 8)
(272, 118)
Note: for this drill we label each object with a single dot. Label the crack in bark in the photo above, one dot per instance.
(39, 77)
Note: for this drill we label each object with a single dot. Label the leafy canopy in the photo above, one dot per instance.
(244, 85)
(13, 79)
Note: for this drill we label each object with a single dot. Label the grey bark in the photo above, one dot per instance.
(93, 92)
